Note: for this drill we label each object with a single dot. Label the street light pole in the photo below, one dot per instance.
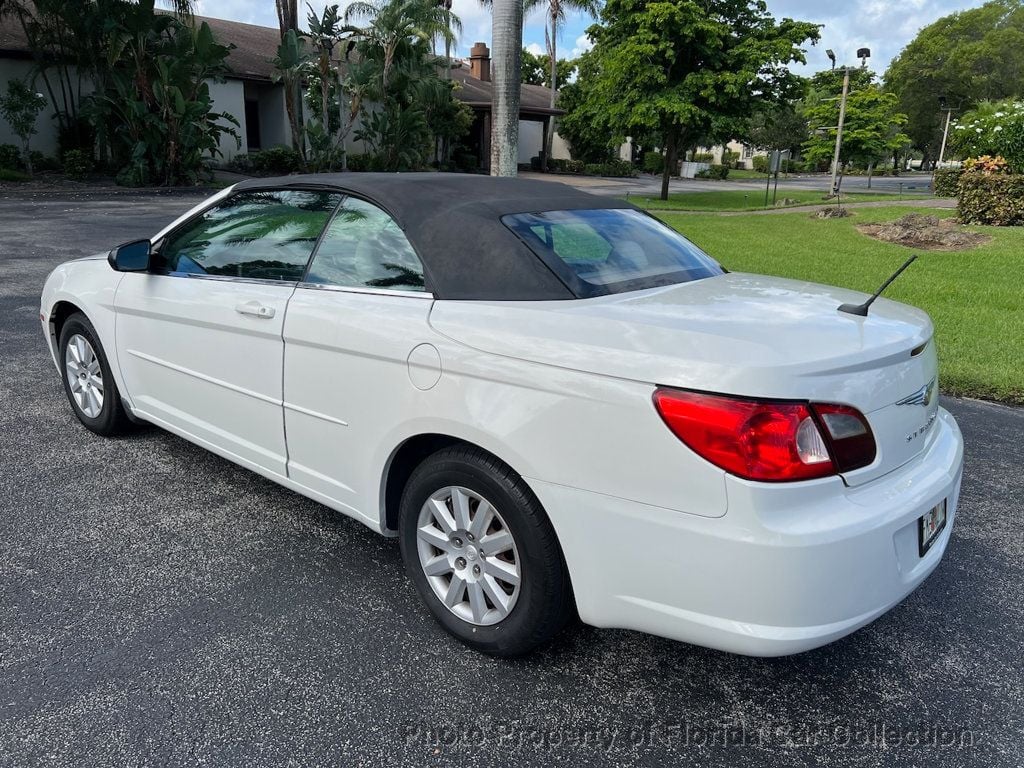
(839, 130)
(945, 136)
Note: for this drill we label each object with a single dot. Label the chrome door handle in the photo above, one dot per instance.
(255, 309)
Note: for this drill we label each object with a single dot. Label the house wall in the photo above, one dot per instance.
(45, 139)
(229, 97)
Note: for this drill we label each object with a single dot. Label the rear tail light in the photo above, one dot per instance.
(768, 441)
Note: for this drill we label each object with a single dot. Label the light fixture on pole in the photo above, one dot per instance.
(832, 57)
(863, 54)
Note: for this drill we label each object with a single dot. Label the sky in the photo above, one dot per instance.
(884, 26)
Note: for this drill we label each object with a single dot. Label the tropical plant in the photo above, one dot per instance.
(20, 107)
(290, 65)
(415, 117)
(993, 128)
(396, 26)
(157, 110)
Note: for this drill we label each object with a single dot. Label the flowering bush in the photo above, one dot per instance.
(995, 129)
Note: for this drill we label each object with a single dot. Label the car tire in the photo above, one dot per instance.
(492, 614)
(88, 381)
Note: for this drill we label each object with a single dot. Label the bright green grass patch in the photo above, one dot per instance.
(743, 173)
(6, 174)
(742, 200)
(974, 297)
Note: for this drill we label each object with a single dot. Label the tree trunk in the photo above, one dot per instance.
(670, 161)
(549, 133)
(28, 157)
(507, 41)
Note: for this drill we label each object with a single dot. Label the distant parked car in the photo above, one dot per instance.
(557, 403)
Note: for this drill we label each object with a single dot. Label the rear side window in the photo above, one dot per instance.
(602, 251)
(364, 247)
(264, 235)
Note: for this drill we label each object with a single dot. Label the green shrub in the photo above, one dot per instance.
(947, 182)
(654, 162)
(41, 162)
(9, 174)
(760, 163)
(703, 157)
(991, 199)
(610, 168)
(716, 172)
(466, 161)
(10, 157)
(78, 163)
(360, 163)
(276, 160)
(565, 165)
(729, 157)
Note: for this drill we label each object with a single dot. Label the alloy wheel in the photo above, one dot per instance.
(468, 555)
(85, 376)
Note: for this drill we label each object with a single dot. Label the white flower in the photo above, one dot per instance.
(40, 96)
(978, 130)
(1000, 114)
(998, 128)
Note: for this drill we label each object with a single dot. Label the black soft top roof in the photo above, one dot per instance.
(454, 223)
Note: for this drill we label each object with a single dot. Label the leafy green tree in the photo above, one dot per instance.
(532, 69)
(968, 57)
(782, 127)
(536, 69)
(872, 129)
(691, 70)
(585, 125)
(20, 107)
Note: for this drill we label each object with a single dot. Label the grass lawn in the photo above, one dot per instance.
(743, 173)
(974, 297)
(742, 200)
(7, 174)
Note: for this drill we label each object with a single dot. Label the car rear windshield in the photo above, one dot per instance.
(611, 250)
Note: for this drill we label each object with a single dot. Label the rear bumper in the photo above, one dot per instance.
(787, 569)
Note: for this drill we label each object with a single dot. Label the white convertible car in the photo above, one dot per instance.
(557, 404)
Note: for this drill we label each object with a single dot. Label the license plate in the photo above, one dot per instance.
(929, 526)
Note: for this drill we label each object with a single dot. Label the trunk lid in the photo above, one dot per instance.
(738, 334)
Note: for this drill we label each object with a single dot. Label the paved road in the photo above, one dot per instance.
(160, 606)
(650, 186)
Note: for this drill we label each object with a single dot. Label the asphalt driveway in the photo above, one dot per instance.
(160, 606)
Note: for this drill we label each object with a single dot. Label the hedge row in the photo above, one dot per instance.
(996, 199)
(947, 181)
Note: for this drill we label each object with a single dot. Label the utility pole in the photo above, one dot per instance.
(942, 152)
(839, 131)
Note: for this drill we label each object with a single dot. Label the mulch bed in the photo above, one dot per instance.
(930, 233)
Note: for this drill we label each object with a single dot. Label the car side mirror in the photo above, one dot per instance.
(131, 257)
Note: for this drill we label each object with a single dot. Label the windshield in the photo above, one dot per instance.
(611, 250)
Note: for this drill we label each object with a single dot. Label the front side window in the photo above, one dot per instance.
(364, 247)
(261, 235)
(602, 251)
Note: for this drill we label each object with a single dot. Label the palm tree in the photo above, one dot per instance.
(556, 12)
(393, 23)
(507, 44)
